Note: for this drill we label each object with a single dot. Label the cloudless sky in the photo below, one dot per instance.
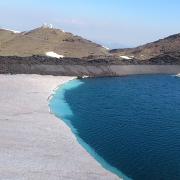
(123, 23)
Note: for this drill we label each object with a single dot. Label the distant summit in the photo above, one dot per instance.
(46, 39)
(45, 25)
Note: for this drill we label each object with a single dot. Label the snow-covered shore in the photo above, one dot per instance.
(34, 144)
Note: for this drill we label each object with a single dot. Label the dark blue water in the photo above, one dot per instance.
(133, 123)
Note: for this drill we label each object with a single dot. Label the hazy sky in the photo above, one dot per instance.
(110, 22)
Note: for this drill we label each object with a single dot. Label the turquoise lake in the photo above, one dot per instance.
(131, 124)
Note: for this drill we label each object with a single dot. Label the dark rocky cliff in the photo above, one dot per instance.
(86, 67)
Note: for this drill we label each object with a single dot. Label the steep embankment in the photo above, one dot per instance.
(79, 67)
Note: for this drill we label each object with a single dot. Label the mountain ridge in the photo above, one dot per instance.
(162, 47)
(43, 39)
(46, 40)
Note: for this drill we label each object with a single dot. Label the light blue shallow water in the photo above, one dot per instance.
(131, 125)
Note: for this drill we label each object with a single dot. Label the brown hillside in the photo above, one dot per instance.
(169, 46)
(45, 39)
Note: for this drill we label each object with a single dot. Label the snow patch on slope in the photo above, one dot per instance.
(126, 57)
(12, 31)
(54, 55)
(106, 47)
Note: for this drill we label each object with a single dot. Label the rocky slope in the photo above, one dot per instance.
(35, 45)
(25, 53)
(167, 48)
(46, 39)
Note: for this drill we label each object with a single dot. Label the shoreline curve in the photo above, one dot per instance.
(35, 144)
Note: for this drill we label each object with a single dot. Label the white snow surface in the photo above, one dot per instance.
(46, 25)
(125, 57)
(12, 31)
(53, 54)
(34, 144)
(105, 47)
